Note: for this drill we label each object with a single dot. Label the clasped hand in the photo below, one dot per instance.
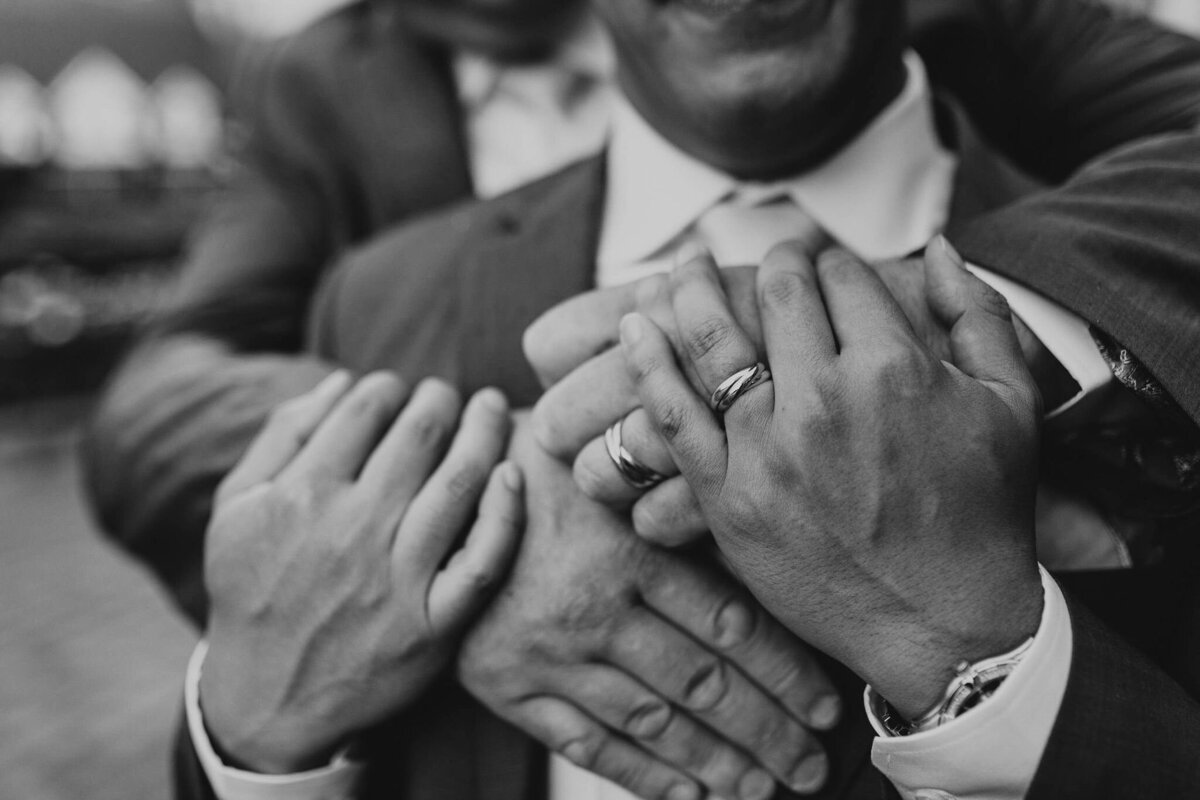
(877, 499)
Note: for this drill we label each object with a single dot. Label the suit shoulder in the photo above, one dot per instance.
(476, 222)
(427, 254)
(312, 59)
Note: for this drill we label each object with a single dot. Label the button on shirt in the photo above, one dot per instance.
(884, 196)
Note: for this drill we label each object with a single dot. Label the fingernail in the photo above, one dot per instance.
(492, 399)
(825, 712)
(511, 475)
(756, 785)
(811, 774)
(690, 251)
(632, 328)
(334, 378)
(951, 252)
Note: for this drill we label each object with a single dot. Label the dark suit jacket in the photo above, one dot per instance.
(353, 127)
(488, 269)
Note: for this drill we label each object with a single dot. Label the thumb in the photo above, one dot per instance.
(983, 341)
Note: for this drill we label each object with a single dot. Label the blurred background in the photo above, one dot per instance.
(113, 135)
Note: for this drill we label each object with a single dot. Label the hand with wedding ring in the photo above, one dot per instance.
(877, 499)
(590, 402)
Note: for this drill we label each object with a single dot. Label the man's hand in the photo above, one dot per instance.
(572, 348)
(877, 500)
(338, 584)
(639, 665)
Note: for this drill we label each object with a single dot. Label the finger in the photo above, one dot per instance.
(579, 407)
(413, 445)
(862, 311)
(584, 742)
(713, 343)
(983, 341)
(669, 515)
(287, 430)
(624, 704)
(460, 590)
(583, 403)
(682, 420)
(577, 329)
(445, 504)
(599, 478)
(346, 438)
(709, 688)
(796, 330)
(732, 624)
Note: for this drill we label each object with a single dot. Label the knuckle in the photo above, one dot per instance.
(708, 335)
(991, 301)
(899, 368)
(479, 580)
(670, 419)
(428, 430)
(584, 751)
(649, 721)
(733, 623)
(781, 289)
(465, 482)
(707, 686)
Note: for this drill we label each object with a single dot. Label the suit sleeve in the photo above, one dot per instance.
(1125, 729)
(1119, 245)
(181, 410)
(1054, 84)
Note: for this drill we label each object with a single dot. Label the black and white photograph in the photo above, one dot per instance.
(599, 399)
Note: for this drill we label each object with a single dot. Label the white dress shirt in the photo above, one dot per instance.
(883, 196)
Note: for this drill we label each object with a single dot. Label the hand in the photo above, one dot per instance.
(331, 609)
(589, 394)
(589, 391)
(878, 501)
(639, 665)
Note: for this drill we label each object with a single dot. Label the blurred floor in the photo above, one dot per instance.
(91, 655)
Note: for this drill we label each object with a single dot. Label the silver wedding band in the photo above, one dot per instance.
(635, 473)
(737, 385)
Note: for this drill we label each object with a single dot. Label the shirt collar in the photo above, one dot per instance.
(883, 195)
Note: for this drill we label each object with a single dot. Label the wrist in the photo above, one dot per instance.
(919, 660)
(250, 738)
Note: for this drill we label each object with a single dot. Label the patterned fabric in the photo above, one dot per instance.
(1137, 457)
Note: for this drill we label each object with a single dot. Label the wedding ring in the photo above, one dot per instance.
(635, 473)
(737, 385)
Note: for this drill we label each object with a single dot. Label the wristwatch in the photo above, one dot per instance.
(972, 684)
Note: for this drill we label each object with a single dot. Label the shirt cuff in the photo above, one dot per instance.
(338, 781)
(992, 752)
(1063, 333)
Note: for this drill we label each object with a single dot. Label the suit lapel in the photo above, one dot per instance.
(538, 250)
